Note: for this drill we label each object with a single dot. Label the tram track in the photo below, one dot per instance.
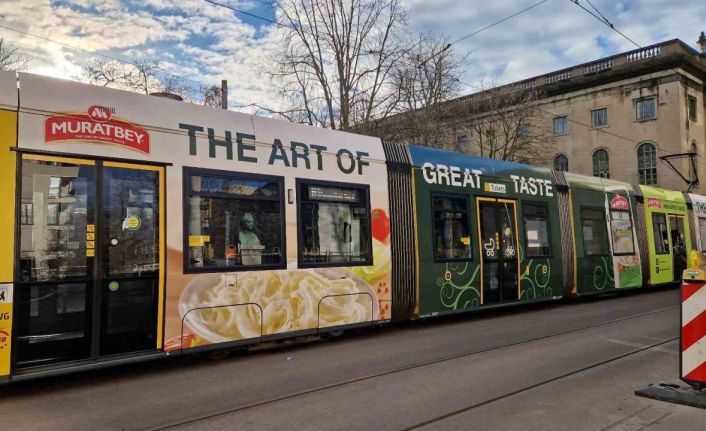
(571, 373)
(223, 412)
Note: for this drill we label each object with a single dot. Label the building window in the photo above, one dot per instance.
(524, 131)
(599, 117)
(593, 228)
(451, 239)
(27, 213)
(536, 223)
(621, 232)
(646, 109)
(334, 224)
(463, 142)
(647, 163)
(692, 108)
(233, 220)
(659, 232)
(561, 125)
(600, 163)
(561, 163)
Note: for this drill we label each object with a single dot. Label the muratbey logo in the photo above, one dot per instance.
(97, 125)
(654, 203)
(619, 203)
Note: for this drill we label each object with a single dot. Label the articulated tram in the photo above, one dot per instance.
(137, 227)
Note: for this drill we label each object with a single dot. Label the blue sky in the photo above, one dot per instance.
(206, 43)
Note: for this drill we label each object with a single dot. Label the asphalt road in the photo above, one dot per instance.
(565, 365)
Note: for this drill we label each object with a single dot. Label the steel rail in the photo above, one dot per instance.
(205, 417)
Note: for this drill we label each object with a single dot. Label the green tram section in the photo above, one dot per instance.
(668, 233)
(605, 238)
(487, 232)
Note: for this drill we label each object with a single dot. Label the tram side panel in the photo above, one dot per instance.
(608, 255)
(668, 233)
(487, 232)
(8, 139)
(698, 218)
(272, 229)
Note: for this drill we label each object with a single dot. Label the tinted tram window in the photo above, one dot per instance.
(661, 235)
(233, 220)
(621, 232)
(451, 237)
(702, 233)
(595, 235)
(536, 229)
(334, 224)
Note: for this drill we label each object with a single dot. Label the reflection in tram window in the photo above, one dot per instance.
(595, 235)
(621, 232)
(702, 233)
(536, 223)
(234, 221)
(451, 236)
(334, 224)
(54, 198)
(661, 236)
(131, 214)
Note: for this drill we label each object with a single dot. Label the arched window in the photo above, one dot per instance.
(600, 163)
(561, 163)
(647, 163)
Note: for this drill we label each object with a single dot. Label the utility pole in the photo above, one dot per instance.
(224, 94)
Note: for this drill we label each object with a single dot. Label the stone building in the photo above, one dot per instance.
(614, 117)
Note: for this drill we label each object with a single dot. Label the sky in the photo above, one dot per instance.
(207, 43)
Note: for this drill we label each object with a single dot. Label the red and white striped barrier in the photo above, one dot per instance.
(693, 332)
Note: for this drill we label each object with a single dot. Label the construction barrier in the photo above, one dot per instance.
(692, 363)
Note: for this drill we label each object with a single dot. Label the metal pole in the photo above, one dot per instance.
(224, 94)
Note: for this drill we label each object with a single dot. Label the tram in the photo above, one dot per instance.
(138, 227)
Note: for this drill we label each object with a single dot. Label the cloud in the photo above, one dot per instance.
(206, 43)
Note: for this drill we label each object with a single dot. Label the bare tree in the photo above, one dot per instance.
(505, 123)
(422, 80)
(142, 75)
(11, 58)
(334, 66)
(212, 95)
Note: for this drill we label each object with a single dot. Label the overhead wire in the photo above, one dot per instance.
(602, 19)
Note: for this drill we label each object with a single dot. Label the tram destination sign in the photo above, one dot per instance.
(96, 125)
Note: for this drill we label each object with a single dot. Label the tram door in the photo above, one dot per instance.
(88, 264)
(676, 226)
(499, 252)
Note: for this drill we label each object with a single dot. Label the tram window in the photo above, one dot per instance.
(536, 224)
(702, 233)
(621, 233)
(451, 235)
(334, 224)
(233, 220)
(660, 233)
(595, 235)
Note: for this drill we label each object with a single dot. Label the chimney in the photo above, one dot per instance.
(224, 93)
(702, 43)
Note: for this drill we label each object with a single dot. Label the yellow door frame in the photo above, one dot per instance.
(480, 199)
(162, 219)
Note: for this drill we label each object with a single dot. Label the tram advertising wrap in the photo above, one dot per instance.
(144, 227)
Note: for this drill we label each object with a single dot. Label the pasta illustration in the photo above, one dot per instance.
(289, 300)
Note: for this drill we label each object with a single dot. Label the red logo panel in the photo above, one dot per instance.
(654, 203)
(97, 125)
(619, 203)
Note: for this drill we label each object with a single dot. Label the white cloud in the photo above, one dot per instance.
(207, 43)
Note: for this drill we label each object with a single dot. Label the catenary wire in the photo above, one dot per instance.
(606, 22)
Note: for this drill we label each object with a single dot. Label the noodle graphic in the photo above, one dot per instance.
(289, 300)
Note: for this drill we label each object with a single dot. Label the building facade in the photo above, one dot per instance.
(614, 117)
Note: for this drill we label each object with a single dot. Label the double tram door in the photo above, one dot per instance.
(497, 225)
(89, 259)
(676, 225)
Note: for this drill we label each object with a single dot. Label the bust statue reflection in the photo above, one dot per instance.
(247, 237)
